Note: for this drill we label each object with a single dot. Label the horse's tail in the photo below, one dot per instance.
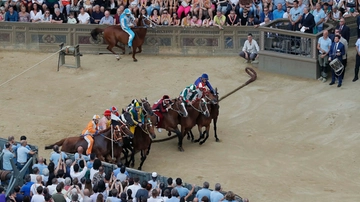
(56, 143)
(95, 32)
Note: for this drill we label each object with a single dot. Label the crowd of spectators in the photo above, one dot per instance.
(193, 13)
(85, 179)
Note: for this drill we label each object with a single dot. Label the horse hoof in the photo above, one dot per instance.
(132, 165)
(188, 137)
(217, 140)
(196, 140)
(139, 168)
(200, 143)
(135, 60)
(181, 149)
(169, 134)
(118, 58)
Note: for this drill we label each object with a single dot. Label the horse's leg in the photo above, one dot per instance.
(140, 49)
(122, 48)
(110, 47)
(133, 53)
(200, 132)
(143, 158)
(148, 150)
(190, 134)
(180, 138)
(216, 137)
(207, 128)
(132, 157)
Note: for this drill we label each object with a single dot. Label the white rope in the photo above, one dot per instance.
(29, 68)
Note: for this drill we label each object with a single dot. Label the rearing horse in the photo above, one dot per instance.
(114, 34)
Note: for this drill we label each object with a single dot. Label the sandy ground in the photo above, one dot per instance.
(282, 138)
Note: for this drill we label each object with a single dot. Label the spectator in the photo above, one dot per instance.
(222, 6)
(23, 15)
(335, 14)
(38, 196)
(25, 189)
(195, 22)
(232, 19)
(15, 3)
(323, 46)
(216, 195)
(119, 11)
(52, 4)
(84, 18)
(65, 4)
(185, 22)
(107, 19)
(169, 186)
(38, 183)
(252, 21)
(155, 16)
(219, 20)
(11, 15)
(95, 168)
(35, 173)
(279, 12)
(58, 196)
(307, 21)
(174, 196)
(295, 17)
(243, 18)
(142, 193)
(181, 190)
(266, 14)
(327, 11)
(67, 183)
(112, 6)
(87, 195)
(257, 8)
(246, 5)
(71, 19)
(250, 49)
(204, 191)
(22, 154)
(229, 197)
(75, 170)
(2, 14)
(74, 194)
(7, 157)
(184, 8)
(57, 18)
(57, 154)
(207, 22)
(207, 8)
(289, 3)
(135, 187)
(96, 15)
(122, 176)
(40, 165)
(19, 197)
(175, 21)
(46, 17)
(153, 181)
(319, 17)
(154, 196)
(45, 176)
(344, 29)
(287, 13)
(165, 18)
(99, 175)
(233, 6)
(52, 187)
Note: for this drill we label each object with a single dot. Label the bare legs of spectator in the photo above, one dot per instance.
(323, 62)
(248, 56)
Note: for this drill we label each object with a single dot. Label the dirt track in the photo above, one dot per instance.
(282, 138)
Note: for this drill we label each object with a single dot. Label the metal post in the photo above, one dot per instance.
(112, 142)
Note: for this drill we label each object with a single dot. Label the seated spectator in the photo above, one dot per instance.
(287, 13)
(207, 22)
(46, 17)
(15, 4)
(155, 16)
(119, 11)
(88, 5)
(35, 13)
(222, 6)
(7, 157)
(23, 15)
(40, 165)
(216, 195)
(267, 20)
(335, 14)
(38, 183)
(96, 15)
(57, 154)
(243, 18)
(51, 4)
(252, 21)
(112, 6)
(195, 8)
(250, 50)
(133, 6)
(11, 15)
(65, 4)
(2, 14)
(25, 189)
(173, 4)
(195, 22)
(175, 21)
(266, 14)
(57, 18)
(327, 11)
(107, 19)
(279, 12)
(219, 20)
(246, 5)
(165, 18)
(184, 8)
(208, 8)
(232, 19)
(75, 170)
(84, 18)
(186, 21)
(233, 5)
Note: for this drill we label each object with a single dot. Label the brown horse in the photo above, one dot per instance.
(114, 34)
(102, 142)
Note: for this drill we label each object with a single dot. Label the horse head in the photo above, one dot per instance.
(211, 97)
(203, 107)
(144, 22)
(150, 120)
(126, 118)
(147, 107)
(179, 106)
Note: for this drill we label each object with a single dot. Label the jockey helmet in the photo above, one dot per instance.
(137, 105)
(205, 76)
(107, 112)
(127, 11)
(113, 109)
(192, 87)
(166, 97)
(95, 117)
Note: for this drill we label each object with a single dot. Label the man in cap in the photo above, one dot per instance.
(91, 129)
(190, 93)
(126, 25)
(137, 116)
(104, 122)
(7, 156)
(153, 181)
(203, 81)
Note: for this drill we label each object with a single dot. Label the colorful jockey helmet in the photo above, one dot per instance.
(107, 112)
(96, 117)
(113, 109)
(137, 105)
(192, 87)
(166, 97)
(205, 76)
(127, 11)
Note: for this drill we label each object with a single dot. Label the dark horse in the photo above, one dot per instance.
(102, 142)
(114, 34)
(142, 137)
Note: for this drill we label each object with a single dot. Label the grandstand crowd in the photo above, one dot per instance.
(192, 13)
(85, 179)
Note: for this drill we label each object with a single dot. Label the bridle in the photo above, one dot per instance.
(201, 110)
(206, 93)
(177, 105)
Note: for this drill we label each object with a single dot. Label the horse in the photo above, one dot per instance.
(101, 142)
(142, 137)
(114, 34)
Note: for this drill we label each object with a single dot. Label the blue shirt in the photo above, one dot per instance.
(358, 44)
(278, 14)
(173, 199)
(40, 166)
(207, 84)
(324, 43)
(76, 156)
(107, 20)
(295, 13)
(11, 18)
(117, 171)
(318, 15)
(22, 154)
(7, 159)
(203, 192)
(26, 188)
(55, 157)
(216, 196)
(182, 191)
(90, 164)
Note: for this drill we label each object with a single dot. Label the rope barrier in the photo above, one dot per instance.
(29, 68)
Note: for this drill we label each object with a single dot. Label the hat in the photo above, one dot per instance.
(137, 105)
(113, 109)
(205, 76)
(107, 112)
(96, 117)
(154, 174)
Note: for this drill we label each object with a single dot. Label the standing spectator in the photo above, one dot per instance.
(107, 19)
(295, 17)
(57, 18)
(40, 165)
(57, 154)
(7, 156)
(154, 196)
(25, 189)
(357, 63)
(232, 19)
(307, 21)
(23, 15)
(169, 187)
(33, 189)
(319, 17)
(216, 195)
(38, 196)
(58, 196)
(135, 187)
(250, 49)
(18, 195)
(266, 14)
(79, 154)
(83, 17)
(52, 187)
(323, 46)
(11, 15)
(122, 176)
(35, 173)
(204, 191)
(153, 181)
(22, 155)
(183, 191)
(287, 13)
(75, 170)
(344, 29)
(142, 193)
(95, 168)
(337, 50)
(219, 20)
(279, 12)
(99, 176)
(96, 15)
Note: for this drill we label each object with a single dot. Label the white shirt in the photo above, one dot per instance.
(286, 15)
(251, 48)
(38, 198)
(34, 187)
(83, 18)
(52, 189)
(78, 175)
(33, 177)
(38, 15)
(134, 188)
(39, 1)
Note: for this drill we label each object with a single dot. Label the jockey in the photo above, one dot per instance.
(203, 81)
(189, 94)
(126, 25)
(137, 116)
(114, 111)
(105, 120)
(131, 105)
(161, 106)
(91, 129)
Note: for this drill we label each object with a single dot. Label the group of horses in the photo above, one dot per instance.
(118, 137)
